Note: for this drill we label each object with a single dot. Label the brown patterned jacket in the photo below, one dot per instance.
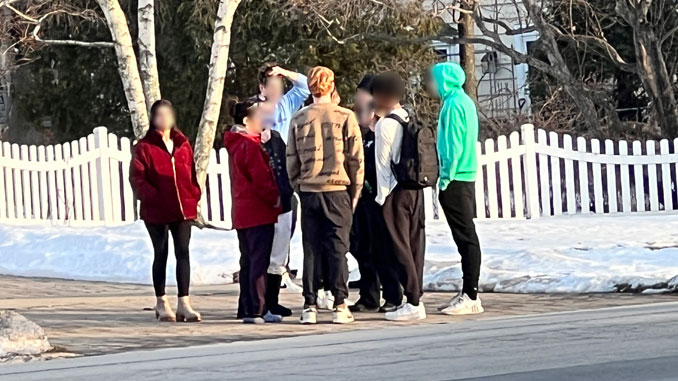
(325, 150)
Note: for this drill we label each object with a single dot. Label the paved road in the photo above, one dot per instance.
(621, 343)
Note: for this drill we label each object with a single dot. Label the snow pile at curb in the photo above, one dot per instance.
(20, 336)
(563, 254)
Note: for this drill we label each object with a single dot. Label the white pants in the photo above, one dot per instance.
(281, 244)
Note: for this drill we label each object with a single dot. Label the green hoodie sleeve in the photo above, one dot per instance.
(451, 137)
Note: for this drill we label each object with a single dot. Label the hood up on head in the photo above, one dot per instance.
(449, 77)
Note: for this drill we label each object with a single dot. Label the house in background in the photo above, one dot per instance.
(502, 85)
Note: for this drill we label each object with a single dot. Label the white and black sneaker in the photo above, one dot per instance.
(452, 301)
(290, 286)
(407, 312)
(464, 306)
(325, 300)
(309, 315)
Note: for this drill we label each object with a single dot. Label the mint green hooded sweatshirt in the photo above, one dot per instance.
(457, 126)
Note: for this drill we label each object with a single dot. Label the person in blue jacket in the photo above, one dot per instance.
(277, 108)
(272, 91)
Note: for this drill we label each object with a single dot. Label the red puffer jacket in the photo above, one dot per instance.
(165, 182)
(254, 192)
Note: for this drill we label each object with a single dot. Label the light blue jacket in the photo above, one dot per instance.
(290, 103)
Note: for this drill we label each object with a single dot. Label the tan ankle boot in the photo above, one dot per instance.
(185, 312)
(163, 310)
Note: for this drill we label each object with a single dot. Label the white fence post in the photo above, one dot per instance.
(531, 176)
(103, 174)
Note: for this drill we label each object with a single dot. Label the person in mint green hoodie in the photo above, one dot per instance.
(457, 137)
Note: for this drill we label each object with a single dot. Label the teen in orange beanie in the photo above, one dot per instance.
(329, 183)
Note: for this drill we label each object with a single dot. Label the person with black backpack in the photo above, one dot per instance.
(370, 242)
(403, 153)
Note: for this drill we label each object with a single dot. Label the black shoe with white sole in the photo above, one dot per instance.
(388, 307)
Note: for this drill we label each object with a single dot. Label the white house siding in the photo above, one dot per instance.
(502, 92)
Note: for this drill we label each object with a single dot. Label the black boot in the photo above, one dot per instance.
(272, 291)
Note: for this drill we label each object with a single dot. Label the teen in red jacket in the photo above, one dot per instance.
(255, 208)
(163, 176)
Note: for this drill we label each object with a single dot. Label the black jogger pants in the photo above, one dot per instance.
(325, 227)
(404, 217)
(458, 203)
(181, 235)
(372, 248)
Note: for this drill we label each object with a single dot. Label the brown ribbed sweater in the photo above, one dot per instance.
(325, 150)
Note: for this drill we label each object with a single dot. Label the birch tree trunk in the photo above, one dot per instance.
(127, 65)
(558, 68)
(148, 62)
(215, 87)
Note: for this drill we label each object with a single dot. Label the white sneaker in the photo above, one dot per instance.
(342, 315)
(290, 286)
(452, 301)
(309, 315)
(271, 318)
(325, 300)
(253, 320)
(464, 306)
(421, 310)
(407, 312)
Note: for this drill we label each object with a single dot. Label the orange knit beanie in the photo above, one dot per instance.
(320, 81)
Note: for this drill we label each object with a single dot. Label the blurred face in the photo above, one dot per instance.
(253, 122)
(363, 107)
(383, 105)
(163, 119)
(274, 88)
(431, 85)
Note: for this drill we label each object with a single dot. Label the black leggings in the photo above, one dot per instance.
(181, 235)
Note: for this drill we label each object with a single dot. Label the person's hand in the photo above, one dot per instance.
(277, 70)
(265, 135)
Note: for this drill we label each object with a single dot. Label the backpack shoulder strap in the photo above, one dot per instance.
(396, 118)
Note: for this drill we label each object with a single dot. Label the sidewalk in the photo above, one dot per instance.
(91, 318)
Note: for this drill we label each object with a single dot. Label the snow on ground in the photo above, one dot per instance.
(20, 336)
(562, 254)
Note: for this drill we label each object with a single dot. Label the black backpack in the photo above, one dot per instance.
(418, 165)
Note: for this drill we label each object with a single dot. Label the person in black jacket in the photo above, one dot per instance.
(369, 239)
(275, 146)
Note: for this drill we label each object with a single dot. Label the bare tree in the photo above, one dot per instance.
(127, 65)
(141, 87)
(650, 60)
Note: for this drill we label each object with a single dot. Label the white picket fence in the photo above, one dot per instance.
(85, 182)
(528, 176)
